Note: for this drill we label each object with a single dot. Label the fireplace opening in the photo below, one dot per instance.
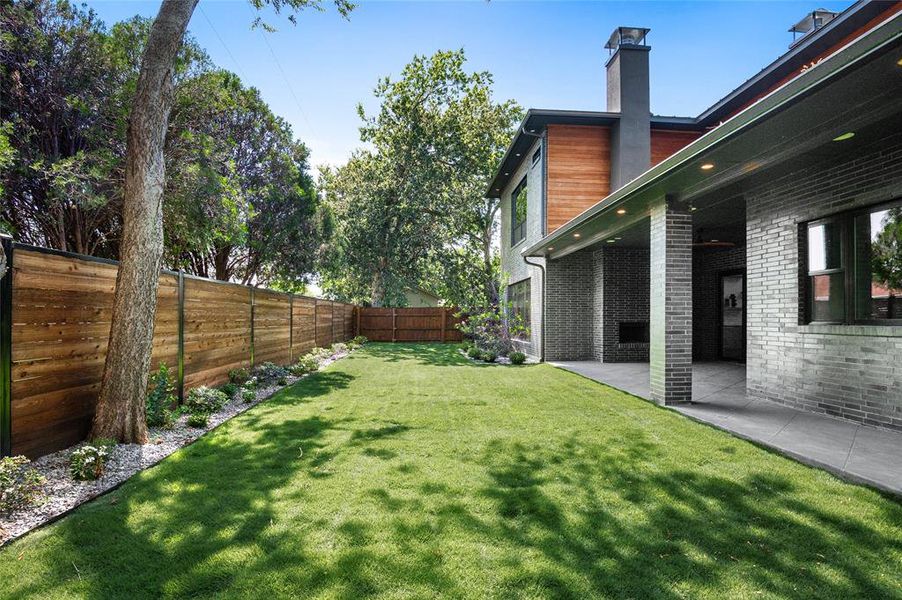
(633, 332)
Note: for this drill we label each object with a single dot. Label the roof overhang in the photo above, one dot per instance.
(848, 89)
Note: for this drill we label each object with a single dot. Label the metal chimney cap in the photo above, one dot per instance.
(629, 36)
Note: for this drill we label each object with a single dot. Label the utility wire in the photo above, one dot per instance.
(221, 41)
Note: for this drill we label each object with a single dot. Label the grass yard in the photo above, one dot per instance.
(405, 471)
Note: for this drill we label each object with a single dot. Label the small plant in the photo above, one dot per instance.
(229, 389)
(360, 340)
(251, 383)
(160, 400)
(198, 420)
(474, 352)
(268, 373)
(20, 484)
(205, 400)
(517, 358)
(282, 381)
(495, 329)
(87, 463)
(488, 356)
(339, 348)
(306, 364)
(238, 376)
(248, 395)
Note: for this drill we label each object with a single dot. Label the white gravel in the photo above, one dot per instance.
(62, 493)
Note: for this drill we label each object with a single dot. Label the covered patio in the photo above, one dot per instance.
(855, 452)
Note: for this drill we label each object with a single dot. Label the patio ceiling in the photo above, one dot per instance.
(857, 89)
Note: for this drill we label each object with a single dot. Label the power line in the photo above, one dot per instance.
(221, 41)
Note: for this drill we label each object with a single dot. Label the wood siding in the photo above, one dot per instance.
(579, 171)
(665, 142)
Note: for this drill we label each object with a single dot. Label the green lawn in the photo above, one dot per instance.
(407, 472)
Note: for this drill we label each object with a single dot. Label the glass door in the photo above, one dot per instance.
(732, 316)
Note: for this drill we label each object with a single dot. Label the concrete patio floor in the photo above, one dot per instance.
(855, 452)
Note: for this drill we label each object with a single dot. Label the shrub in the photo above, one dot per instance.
(248, 395)
(474, 352)
(360, 340)
(282, 381)
(158, 407)
(229, 389)
(88, 462)
(517, 358)
(20, 484)
(306, 364)
(251, 383)
(495, 329)
(198, 420)
(339, 348)
(268, 373)
(205, 400)
(321, 354)
(488, 356)
(238, 376)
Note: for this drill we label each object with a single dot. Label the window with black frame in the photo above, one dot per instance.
(854, 266)
(518, 295)
(518, 213)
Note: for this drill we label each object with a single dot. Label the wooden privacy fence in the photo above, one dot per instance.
(409, 324)
(55, 310)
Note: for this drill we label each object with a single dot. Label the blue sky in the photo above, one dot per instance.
(542, 54)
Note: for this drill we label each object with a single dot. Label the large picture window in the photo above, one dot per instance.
(854, 267)
(518, 294)
(518, 213)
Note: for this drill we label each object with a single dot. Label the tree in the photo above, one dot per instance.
(120, 408)
(438, 136)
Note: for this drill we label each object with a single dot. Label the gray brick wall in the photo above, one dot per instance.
(625, 274)
(707, 265)
(570, 307)
(670, 355)
(852, 372)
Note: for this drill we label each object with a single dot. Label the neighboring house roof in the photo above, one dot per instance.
(785, 68)
(761, 132)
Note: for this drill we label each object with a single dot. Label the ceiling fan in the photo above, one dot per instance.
(701, 242)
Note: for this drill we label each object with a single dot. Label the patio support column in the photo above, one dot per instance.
(670, 354)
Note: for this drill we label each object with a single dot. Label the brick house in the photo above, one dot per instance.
(752, 232)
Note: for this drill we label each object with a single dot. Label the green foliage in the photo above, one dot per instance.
(495, 329)
(339, 348)
(886, 252)
(474, 352)
(360, 340)
(488, 356)
(20, 484)
(205, 399)
(517, 358)
(321, 354)
(267, 373)
(198, 419)
(88, 461)
(238, 376)
(282, 381)
(251, 383)
(248, 395)
(161, 399)
(412, 209)
(306, 364)
(229, 389)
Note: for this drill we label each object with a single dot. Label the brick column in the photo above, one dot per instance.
(670, 354)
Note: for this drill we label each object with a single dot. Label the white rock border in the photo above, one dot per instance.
(501, 360)
(61, 494)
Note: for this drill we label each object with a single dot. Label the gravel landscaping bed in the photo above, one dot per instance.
(62, 493)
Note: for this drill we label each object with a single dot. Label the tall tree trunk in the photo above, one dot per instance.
(120, 408)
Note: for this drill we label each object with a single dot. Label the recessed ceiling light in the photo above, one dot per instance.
(550, 248)
(507, 173)
(707, 166)
(518, 154)
(846, 136)
(899, 62)
(611, 241)
(576, 235)
(621, 211)
(693, 208)
(715, 241)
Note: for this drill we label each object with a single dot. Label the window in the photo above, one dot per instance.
(855, 267)
(518, 294)
(518, 213)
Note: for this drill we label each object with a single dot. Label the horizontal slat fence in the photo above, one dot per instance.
(55, 312)
(431, 324)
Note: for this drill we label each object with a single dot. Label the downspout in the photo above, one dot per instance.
(542, 327)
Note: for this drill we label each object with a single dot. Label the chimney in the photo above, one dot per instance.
(627, 70)
(812, 22)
